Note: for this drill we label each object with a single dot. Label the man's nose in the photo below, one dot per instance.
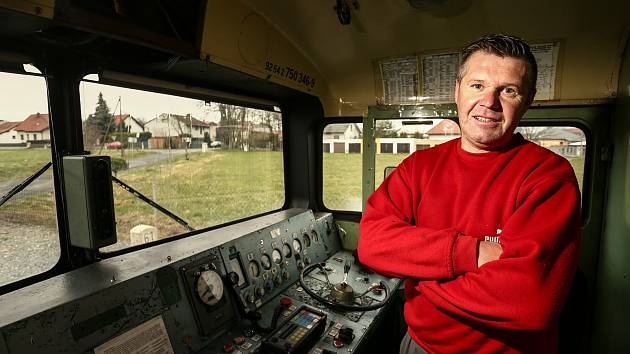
(491, 100)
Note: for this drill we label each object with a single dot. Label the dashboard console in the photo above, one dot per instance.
(236, 290)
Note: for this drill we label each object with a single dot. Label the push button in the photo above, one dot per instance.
(228, 348)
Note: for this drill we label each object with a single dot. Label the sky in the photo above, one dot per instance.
(22, 95)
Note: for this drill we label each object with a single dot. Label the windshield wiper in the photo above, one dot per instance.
(18, 188)
(152, 203)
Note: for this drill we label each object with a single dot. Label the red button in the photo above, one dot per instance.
(285, 301)
(228, 348)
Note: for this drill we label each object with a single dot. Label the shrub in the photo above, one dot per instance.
(118, 164)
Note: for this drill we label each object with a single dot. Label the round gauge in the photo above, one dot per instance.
(314, 236)
(209, 287)
(254, 270)
(286, 251)
(265, 261)
(276, 256)
(307, 240)
(297, 246)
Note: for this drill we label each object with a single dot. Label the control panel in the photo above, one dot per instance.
(270, 307)
(261, 265)
(279, 283)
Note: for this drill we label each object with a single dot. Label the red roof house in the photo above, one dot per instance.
(445, 128)
(35, 123)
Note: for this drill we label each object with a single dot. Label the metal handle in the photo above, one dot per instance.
(346, 270)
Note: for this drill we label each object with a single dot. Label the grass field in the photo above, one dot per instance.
(207, 189)
(342, 177)
(20, 163)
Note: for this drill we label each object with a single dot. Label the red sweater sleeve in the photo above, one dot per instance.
(526, 287)
(391, 244)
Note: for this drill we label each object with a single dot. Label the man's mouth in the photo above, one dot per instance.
(486, 119)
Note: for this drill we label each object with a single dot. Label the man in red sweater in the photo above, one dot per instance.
(485, 228)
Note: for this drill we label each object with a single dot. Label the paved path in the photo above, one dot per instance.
(43, 184)
(154, 157)
(26, 250)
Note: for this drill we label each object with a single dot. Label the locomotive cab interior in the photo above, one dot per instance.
(295, 113)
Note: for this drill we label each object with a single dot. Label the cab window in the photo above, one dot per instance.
(29, 240)
(396, 139)
(201, 163)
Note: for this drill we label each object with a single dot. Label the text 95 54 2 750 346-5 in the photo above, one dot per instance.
(291, 74)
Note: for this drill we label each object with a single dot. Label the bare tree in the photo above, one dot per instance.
(235, 124)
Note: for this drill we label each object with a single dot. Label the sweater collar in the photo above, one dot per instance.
(516, 141)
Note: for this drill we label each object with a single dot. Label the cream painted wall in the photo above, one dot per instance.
(306, 34)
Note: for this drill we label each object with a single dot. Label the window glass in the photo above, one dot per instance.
(205, 163)
(397, 139)
(29, 240)
(342, 150)
(566, 141)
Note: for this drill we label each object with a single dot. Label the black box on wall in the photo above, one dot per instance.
(90, 201)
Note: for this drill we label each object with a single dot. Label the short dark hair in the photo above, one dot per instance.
(503, 46)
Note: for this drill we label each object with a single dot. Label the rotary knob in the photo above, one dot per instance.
(260, 292)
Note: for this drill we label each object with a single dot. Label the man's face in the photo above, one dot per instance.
(491, 98)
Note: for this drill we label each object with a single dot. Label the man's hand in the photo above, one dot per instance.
(488, 252)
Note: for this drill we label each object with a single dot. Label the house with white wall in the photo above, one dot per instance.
(173, 125)
(342, 131)
(34, 128)
(131, 124)
(8, 135)
(342, 138)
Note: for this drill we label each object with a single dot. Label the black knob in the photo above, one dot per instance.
(233, 278)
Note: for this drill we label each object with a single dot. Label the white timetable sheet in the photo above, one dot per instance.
(400, 79)
(546, 55)
(439, 73)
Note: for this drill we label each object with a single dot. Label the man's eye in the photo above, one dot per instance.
(510, 91)
(476, 86)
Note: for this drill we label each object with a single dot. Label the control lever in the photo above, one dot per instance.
(346, 270)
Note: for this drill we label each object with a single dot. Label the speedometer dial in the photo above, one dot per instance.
(209, 287)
